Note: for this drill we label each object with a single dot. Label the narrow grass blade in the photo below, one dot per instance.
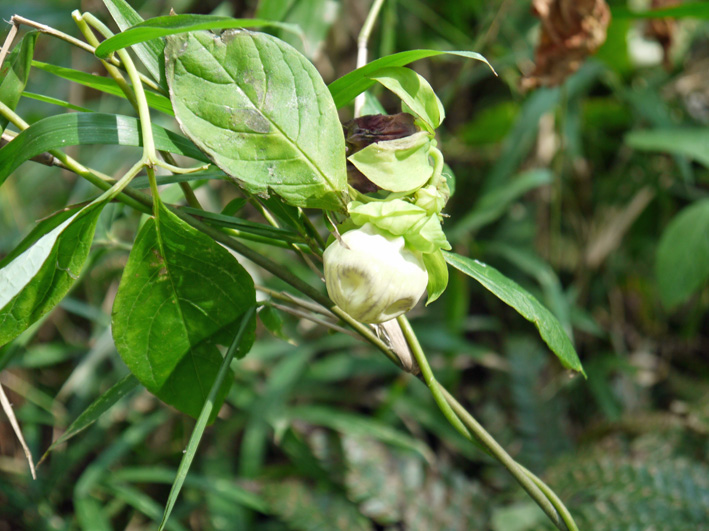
(202, 420)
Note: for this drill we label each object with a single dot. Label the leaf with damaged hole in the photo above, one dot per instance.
(262, 113)
(181, 295)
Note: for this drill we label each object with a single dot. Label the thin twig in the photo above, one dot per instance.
(7, 407)
(17, 20)
(287, 297)
(362, 42)
(7, 44)
(310, 317)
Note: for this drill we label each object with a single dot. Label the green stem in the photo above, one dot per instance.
(466, 424)
(143, 109)
(98, 179)
(520, 473)
(113, 71)
(362, 41)
(17, 20)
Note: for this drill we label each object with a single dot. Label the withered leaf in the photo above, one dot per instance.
(571, 31)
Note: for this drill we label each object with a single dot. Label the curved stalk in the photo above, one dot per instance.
(466, 424)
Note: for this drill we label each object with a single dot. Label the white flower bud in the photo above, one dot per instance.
(373, 277)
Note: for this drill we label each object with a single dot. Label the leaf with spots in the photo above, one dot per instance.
(260, 110)
(181, 295)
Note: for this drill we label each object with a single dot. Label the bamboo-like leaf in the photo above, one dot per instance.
(208, 409)
(38, 278)
(75, 129)
(103, 84)
(97, 408)
(151, 53)
(526, 305)
(689, 142)
(157, 27)
(347, 87)
(682, 263)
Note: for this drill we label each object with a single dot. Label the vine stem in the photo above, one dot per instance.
(143, 109)
(470, 428)
(362, 42)
(17, 20)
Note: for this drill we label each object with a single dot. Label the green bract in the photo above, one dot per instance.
(400, 165)
(421, 231)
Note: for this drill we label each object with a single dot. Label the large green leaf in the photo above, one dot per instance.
(689, 142)
(151, 53)
(15, 72)
(103, 84)
(347, 87)
(682, 264)
(261, 111)
(180, 295)
(38, 278)
(157, 27)
(526, 305)
(77, 128)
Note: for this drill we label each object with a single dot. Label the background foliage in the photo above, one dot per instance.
(593, 196)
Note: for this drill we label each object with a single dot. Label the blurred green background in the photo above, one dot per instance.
(593, 195)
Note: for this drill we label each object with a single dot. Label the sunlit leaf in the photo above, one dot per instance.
(526, 305)
(260, 110)
(38, 278)
(73, 129)
(181, 293)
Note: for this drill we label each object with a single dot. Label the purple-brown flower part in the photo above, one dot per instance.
(366, 130)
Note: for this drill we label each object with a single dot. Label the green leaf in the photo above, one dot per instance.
(150, 53)
(75, 129)
(54, 101)
(260, 110)
(181, 292)
(689, 142)
(15, 72)
(692, 10)
(36, 280)
(399, 165)
(682, 262)
(103, 84)
(272, 320)
(495, 202)
(157, 27)
(97, 408)
(526, 305)
(347, 87)
(414, 91)
(437, 275)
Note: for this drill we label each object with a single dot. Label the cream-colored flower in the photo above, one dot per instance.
(373, 277)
